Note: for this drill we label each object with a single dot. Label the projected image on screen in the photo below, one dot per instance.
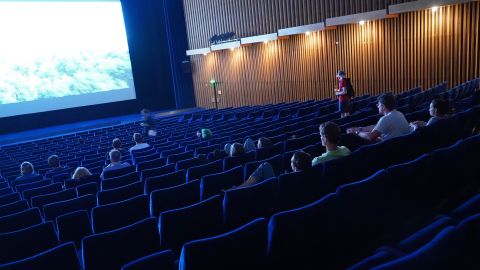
(58, 49)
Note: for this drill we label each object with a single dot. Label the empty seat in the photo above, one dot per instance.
(264, 153)
(59, 178)
(164, 260)
(52, 188)
(225, 251)
(445, 251)
(42, 183)
(242, 205)
(120, 193)
(297, 189)
(5, 191)
(212, 184)
(115, 215)
(53, 210)
(73, 227)
(88, 188)
(188, 163)
(14, 207)
(157, 171)
(230, 162)
(173, 158)
(149, 164)
(18, 244)
(165, 181)
(174, 197)
(115, 182)
(118, 172)
(113, 249)
(198, 171)
(9, 198)
(41, 200)
(61, 257)
(20, 220)
(203, 219)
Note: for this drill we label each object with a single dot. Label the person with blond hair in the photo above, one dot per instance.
(27, 171)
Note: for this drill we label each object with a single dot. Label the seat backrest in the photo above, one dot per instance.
(27, 242)
(149, 164)
(164, 260)
(221, 252)
(308, 227)
(165, 181)
(120, 193)
(187, 163)
(9, 198)
(73, 227)
(213, 184)
(174, 197)
(20, 220)
(41, 183)
(41, 200)
(157, 171)
(63, 257)
(244, 204)
(174, 157)
(52, 188)
(53, 210)
(115, 182)
(113, 249)
(297, 189)
(118, 172)
(264, 153)
(13, 207)
(116, 215)
(198, 171)
(176, 226)
(230, 162)
(88, 188)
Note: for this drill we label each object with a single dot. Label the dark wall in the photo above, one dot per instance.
(149, 53)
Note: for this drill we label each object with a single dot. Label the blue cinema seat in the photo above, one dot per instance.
(213, 184)
(174, 197)
(120, 193)
(165, 181)
(164, 260)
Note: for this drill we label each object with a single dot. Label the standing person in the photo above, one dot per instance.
(148, 124)
(342, 94)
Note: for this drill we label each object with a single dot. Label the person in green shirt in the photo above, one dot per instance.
(330, 136)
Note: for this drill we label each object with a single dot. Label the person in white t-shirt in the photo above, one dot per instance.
(392, 124)
(139, 144)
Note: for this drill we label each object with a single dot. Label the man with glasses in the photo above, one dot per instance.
(391, 124)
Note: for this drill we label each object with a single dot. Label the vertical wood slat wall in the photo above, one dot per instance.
(206, 18)
(416, 49)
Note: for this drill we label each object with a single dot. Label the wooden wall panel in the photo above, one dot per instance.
(416, 49)
(206, 18)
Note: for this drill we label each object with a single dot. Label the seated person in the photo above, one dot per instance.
(392, 124)
(330, 136)
(204, 134)
(115, 162)
(301, 161)
(80, 173)
(139, 144)
(236, 150)
(54, 162)
(117, 145)
(439, 109)
(263, 142)
(27, 171)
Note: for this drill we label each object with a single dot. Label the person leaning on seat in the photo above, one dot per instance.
(392, 124)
